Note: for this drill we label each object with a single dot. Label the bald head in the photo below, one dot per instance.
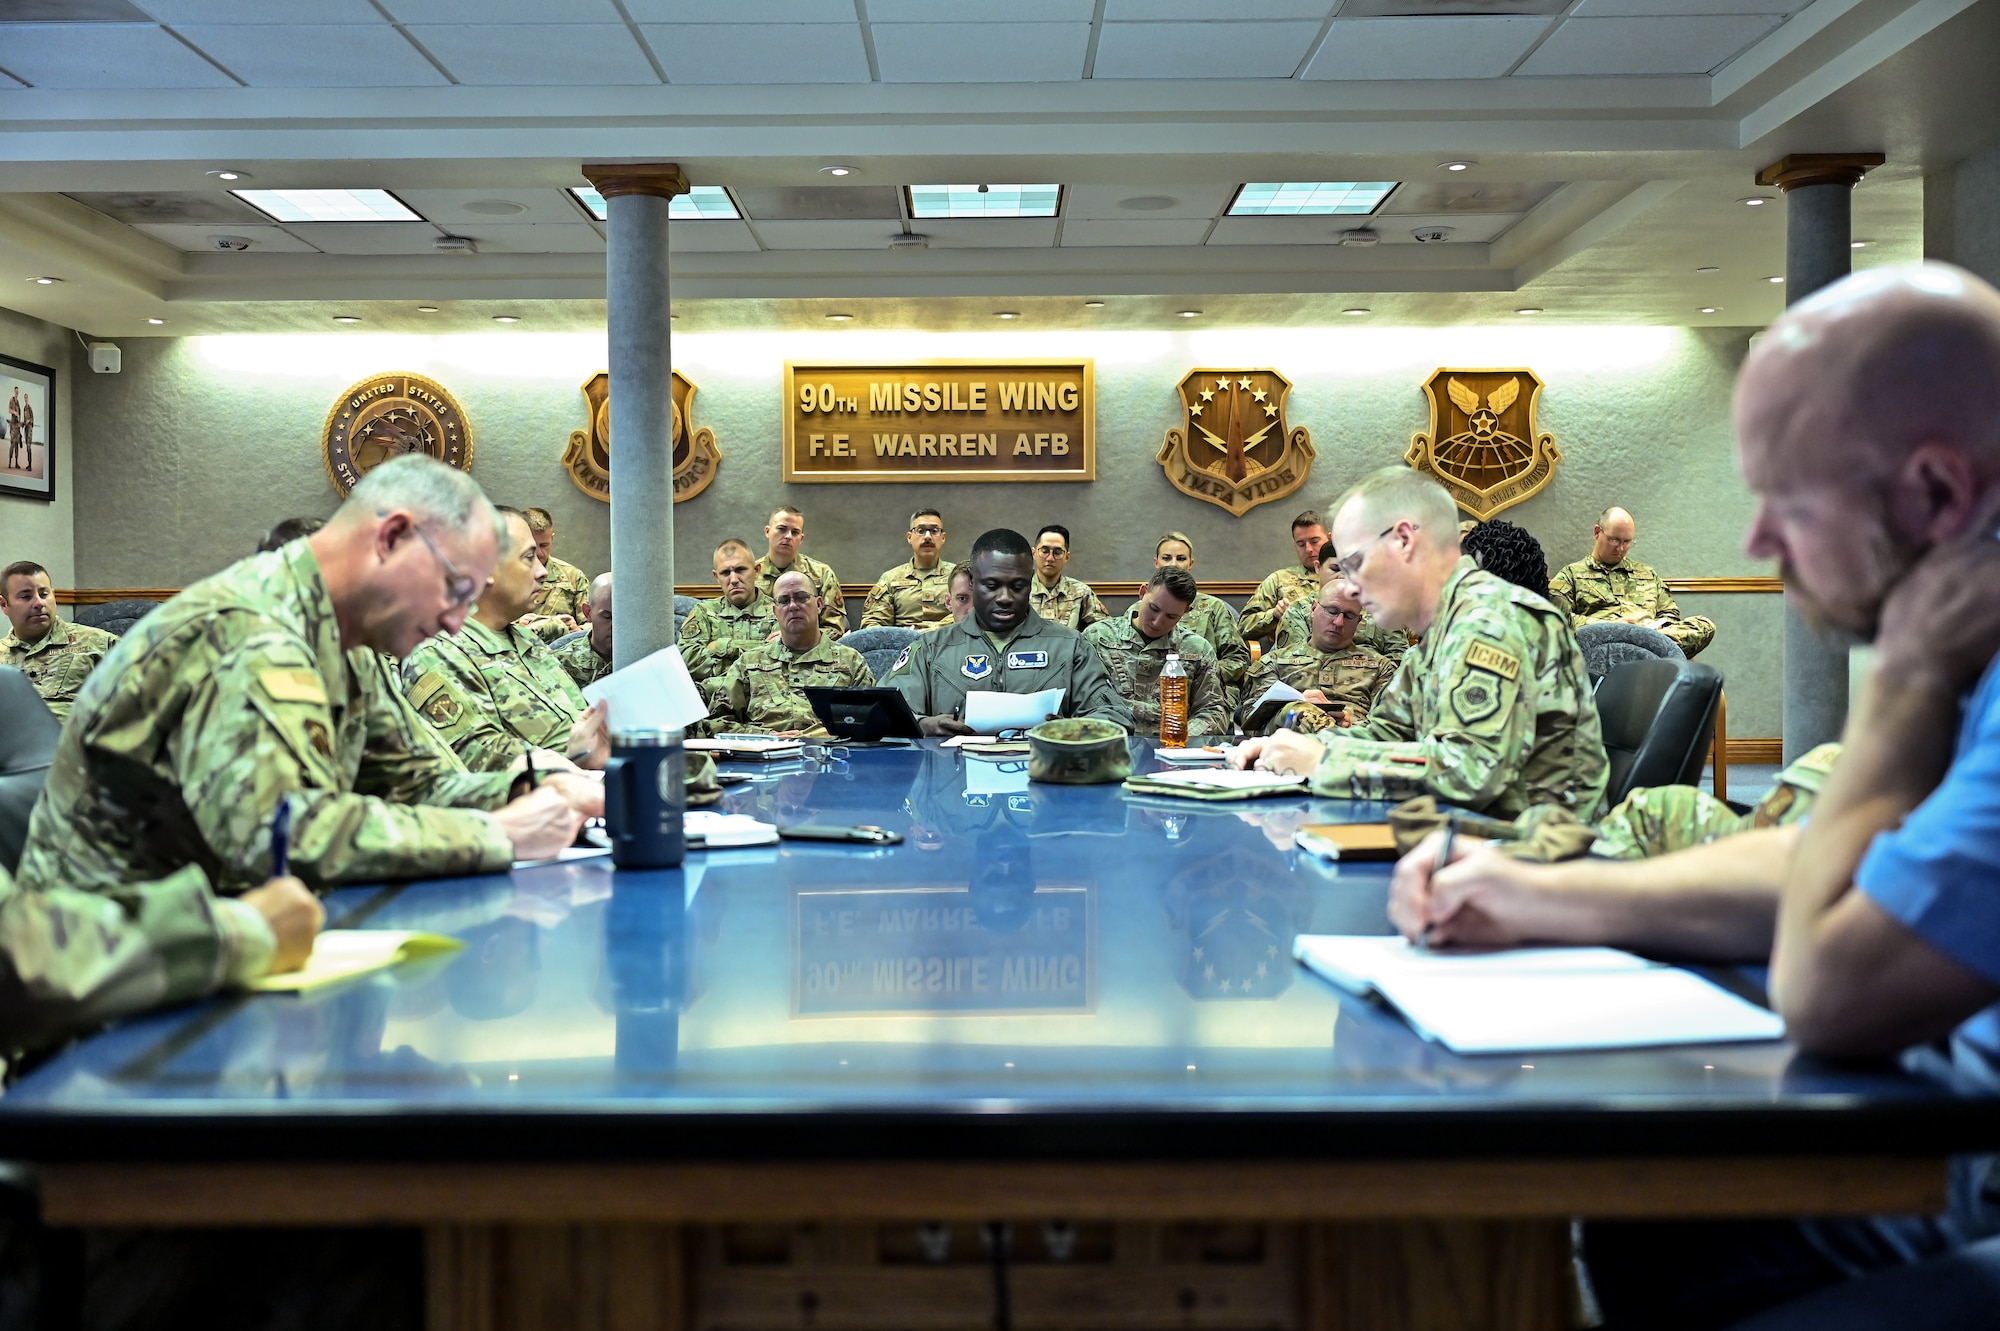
(1612, 537)
(1867, 425)
(597, 610)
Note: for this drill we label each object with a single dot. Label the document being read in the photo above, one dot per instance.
(991, 713)
(654, 693)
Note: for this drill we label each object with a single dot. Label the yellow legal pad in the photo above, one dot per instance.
(342, 954)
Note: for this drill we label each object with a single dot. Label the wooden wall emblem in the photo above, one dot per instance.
(1482, 443)
(387, 415)
(588, 457)
(1235, 451)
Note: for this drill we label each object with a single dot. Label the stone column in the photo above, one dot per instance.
(636, 197)
(1818, 197)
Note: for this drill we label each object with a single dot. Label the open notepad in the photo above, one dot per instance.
(1544, 998)
(341, 954)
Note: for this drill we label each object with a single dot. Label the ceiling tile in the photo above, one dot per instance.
(1424, 48)
(825, 235)
(546, 238)
(981, 11)
(1222, 50)
(313, 55)
(1133, 11)
(1079, 232)
(1455, 195)
(709, 238)
(537, 55)
(453, 207)
(1466, 228)
(1649, 8)
(195, 239)
(178, 12)
(988, 233)
(1597, 46)
(759, 53)
(1154, 202)
(367, 237)
(166, 207)
(742, 11)
(980, 52)
(105, 55)
(820, 203)
(1326, 230)
(503, 11)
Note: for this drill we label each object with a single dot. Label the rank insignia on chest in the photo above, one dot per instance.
(977, 667)
(1027, 660)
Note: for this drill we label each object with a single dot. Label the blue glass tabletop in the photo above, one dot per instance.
(1035, 968)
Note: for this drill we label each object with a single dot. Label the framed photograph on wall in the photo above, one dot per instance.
(29, 392)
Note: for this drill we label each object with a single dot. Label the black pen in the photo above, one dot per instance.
(528, 752)
(281, 839)
(1444, 858)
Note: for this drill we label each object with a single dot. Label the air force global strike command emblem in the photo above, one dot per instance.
(1482, 443)
(977, 667)
(588, 457)
(1235, 451)
(387, 416)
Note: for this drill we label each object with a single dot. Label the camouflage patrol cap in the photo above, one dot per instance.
(704, 785)
(1078, 751)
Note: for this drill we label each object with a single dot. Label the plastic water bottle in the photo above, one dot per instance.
(1173, 702)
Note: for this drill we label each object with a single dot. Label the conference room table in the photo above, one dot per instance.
(1047, 1062)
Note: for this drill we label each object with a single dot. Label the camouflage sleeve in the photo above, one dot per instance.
(1090, 691)
(1208, 707)
(71, 959)
(447, 690)
(546, 627)
(1263, 610)
(1664, 606)
(1392, 643)
(832, 615)
(259, 729)
(880, 608)
(696, 631)
(1232, 654)
(859, 676)
(1562, 592)
(728, 702)
(407, 762)
(1091, 611)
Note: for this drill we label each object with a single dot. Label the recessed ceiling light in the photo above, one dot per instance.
(506, 318)
(1708, 309)
(427, 309)
(346, 319)
(1857, 244)
(1293, 198)
(1754, 202)
(1006, 314)
(1529, 309)
(45, 281)
(1093, 305)
(156, 322)
(984, 200)
(327, 205)
(230, 173)
(840, 169)
(1357, 311)
(1708, 270)
(844, 318)
(1190, 314)
(702, 203)
(1456, 166)
(1776, 281)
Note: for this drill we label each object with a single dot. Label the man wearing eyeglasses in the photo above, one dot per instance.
(493, 688)
(1339, 676)
(1295, 620)
(765, 689)
(241, 695)
(1491, 712)
(1059, 599)
(783, 535)
(916, 595)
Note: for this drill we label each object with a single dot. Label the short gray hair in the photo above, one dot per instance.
(1394, 494)
(428, 488)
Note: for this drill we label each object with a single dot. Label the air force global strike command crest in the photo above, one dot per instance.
(588, 457)
(1482, 443)
(387, 416)
(1235, 451)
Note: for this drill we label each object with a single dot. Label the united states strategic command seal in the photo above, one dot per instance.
(1482, 443)
(588, 457)
(386, 416)
(1235, 451)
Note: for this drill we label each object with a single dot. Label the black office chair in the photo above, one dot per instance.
(1658, 718)
(28, 734)
(1607, 646)
(880, 645)
(116, 616)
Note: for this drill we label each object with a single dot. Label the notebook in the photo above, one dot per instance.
(1347, 841)
(342, 954)
(1210, 784)
(1536, 999)
(760, 748)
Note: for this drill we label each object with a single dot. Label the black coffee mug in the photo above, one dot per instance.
(645, 796)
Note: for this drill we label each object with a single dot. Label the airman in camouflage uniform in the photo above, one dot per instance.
(765, 688)
(55, 655)
(1658, 820)
(558, 605)
(580, 661)
(587, 659)
(1295, 628)
(1133, 659)
(1300, 581)
(915, 595)
(783, 535)
(490, 693)
(1210, 617)
(1610, 587)
(1056, 598)
(1351, 677)
(715, 633)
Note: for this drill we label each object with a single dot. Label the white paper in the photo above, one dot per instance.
(655, 693)
(728, 829)
(566, 854)
(1190, 756)
(1280, 692)
(991, 713)
(1538, 998)
(1226, 779)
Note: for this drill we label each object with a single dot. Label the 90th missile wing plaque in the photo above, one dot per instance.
(941, 420)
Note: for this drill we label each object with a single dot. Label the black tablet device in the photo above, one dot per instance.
(865, 716)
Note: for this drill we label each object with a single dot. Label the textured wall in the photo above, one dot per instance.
(1641, 414)
(31, 528)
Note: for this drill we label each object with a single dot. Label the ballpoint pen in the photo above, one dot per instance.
(281, 839)
(1444, 858)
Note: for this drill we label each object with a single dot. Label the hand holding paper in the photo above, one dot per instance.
(655, 693)
(991, 713)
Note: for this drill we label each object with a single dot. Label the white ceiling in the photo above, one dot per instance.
(1599, 128)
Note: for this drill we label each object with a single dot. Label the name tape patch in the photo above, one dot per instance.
(1027, 660)
(1488, 657)
(292, 685)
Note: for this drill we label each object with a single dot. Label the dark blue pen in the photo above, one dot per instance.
(281, 839)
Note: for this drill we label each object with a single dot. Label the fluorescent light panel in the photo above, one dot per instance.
(702, 203)
(1297, 198)
(997, 200)
(327, 205)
